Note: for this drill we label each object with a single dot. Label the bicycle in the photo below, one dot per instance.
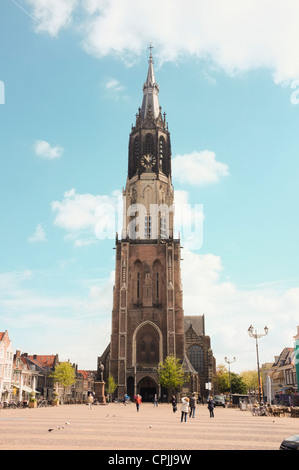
(259, 411)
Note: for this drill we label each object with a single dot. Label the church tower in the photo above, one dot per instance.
(147, 316)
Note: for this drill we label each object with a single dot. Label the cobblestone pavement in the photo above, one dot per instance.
(118, 427)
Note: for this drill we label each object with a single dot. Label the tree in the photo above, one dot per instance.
(237, 382)
(64, 374)
(112, 386)
(221, 379)
(171, 373)
(250, 377)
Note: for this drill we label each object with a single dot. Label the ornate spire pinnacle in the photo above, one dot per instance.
(150, 91)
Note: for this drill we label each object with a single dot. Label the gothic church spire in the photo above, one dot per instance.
(150, 92)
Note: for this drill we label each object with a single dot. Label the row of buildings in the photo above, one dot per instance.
(24, 374)
(280, 378)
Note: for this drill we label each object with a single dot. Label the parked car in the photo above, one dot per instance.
(219, 400)
(290, 443)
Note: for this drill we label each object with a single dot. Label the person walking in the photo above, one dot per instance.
(155, 400)
(211, 406)
(192, 406)
(174, 403)
(184, 409)
(138, 402)
(89, 401)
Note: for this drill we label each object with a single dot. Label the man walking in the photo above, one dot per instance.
(211, 405)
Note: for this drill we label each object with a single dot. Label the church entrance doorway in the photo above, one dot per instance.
(147, 388)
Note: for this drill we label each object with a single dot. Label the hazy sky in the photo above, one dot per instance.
(71, 78)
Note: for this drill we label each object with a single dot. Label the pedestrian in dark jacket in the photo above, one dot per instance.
(174, 403)
(211, 406)
(192, 406)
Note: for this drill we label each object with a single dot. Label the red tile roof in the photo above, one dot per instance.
(45, 359)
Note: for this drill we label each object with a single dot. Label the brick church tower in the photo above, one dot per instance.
(147, 317)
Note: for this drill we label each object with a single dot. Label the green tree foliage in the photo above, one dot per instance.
(238, 385)
(221, 380)
(64, 374)
(171, 373)
(111, 385)
(250, 377)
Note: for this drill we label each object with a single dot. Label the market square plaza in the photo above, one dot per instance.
(116, 427)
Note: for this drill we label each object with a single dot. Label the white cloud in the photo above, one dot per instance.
(229, 310)
(115, 88)
(234, 36)
(44, 150)
(39, 234)
(188, 221)
(198, 168)
(52, 15)
(113, 84)
(87, 218)
(39, 322)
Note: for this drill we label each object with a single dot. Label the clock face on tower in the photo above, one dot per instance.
(148, 160)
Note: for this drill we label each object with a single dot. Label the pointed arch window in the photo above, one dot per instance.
(196, 357)
(147, 226)
(149, 144)
(136, 149)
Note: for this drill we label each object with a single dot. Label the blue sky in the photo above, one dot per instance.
(72, 74)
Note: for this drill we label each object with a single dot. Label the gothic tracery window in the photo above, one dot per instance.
(147, 346)
(149, 144)
(196, 357)
(136, 148)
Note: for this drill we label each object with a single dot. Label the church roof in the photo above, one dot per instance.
(188, 366)
(197, 322)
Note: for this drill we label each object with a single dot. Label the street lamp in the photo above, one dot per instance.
(229, 362)
(256, 336)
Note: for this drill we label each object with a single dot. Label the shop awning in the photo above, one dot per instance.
(290, 387)
(25, 388)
